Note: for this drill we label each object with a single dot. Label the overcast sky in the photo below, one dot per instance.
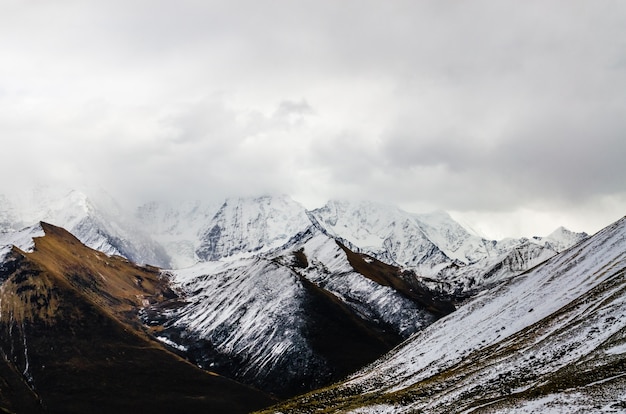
(509, 114)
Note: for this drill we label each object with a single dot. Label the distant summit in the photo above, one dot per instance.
(180, 234)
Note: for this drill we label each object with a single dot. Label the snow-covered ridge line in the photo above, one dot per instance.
(542, 291)
(22, 239)
(178, 235)
(556, 328)
(265, 316)
(98, 222)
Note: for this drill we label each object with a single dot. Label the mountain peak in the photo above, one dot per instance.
(246, 225)
(548, 340)
(71, 340)
(562, 238)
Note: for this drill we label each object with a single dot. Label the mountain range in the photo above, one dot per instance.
(288, 300)
(551, 340)
(177, 235)
(71, 341)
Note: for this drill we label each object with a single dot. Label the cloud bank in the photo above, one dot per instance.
(509, 114)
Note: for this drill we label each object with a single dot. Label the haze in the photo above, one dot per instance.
(511, 115)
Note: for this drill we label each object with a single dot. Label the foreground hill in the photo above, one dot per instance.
(71, 342)
(550, 340)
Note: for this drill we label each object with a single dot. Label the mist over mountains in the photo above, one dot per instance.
(285, 300)
(177, 235)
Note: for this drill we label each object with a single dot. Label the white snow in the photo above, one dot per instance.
(249, 308)
(178, 227)
(252, 225)
(617, 349)
(180, 234)
(434, 245)
(513, 306)
(329, 268)
(171, 343)
(96, 221)
(23, 239)
(376, 409)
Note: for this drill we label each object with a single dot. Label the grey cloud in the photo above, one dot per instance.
(289, 108)
(482, 105)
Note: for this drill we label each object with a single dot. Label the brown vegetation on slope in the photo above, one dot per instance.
(70, 341)
(406, 283)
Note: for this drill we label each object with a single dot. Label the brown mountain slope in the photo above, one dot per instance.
(70, 341)
(406, 283)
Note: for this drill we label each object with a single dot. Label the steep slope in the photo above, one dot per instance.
(385, 232)
(252, 225)
(550, 340)
(443, 253)
(22, 239)
(97, 221)
(178, 227)
(71, 341)
(293, 319)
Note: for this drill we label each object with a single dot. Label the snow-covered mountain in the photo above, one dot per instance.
(178, 227)
(448, 256)
(560, 239)
(550, 340)
(22, 239)
(519, 256)
(444, 254)
(294, 318)
(98, 222)
(251, 225)
(286, 299)
(386, 232)
(71, 342)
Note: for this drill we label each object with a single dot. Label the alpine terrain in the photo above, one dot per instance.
(71, 341)
(550, 340)
(293, 318)
(97, 221)
(258, 290)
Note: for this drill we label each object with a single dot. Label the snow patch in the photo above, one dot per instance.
(171, 343)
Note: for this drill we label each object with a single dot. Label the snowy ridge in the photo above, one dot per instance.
(178, 228)
(385, 232)
(516, 259)
(253, 317)
(252, 225)
(453, 239)
(100, 224)
(560, 239)
(449, 257)
(23, 239)
(550, 337)
(515, 305)
(237, 309)
(329, 269)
